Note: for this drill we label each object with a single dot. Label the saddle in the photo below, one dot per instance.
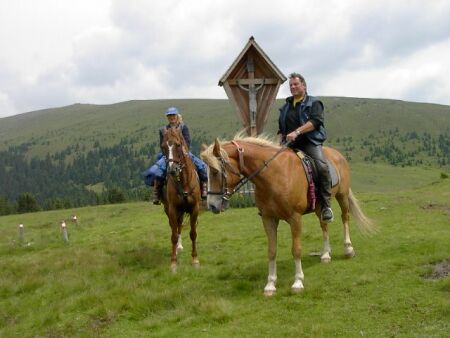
(309, 165)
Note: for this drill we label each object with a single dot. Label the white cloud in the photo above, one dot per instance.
(419, 77)
(55, 53)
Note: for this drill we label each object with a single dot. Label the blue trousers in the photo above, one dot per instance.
(158, 170)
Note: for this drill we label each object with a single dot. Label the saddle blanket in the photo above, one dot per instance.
(311, 174)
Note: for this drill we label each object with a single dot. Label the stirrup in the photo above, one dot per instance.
(327, 215)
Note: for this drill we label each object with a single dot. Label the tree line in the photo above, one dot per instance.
(75, 177)
(70, 178)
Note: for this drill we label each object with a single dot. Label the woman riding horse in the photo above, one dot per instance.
(182, 191)
(156, 174)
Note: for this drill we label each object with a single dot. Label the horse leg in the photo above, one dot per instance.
(271, 226)
(193, 235)
(174, 239)
(343, 200)
(325, 256)
(299, 277)
(179, 244)
(179, 228)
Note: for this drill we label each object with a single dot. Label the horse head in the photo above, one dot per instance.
(174, 149)
(223, 176)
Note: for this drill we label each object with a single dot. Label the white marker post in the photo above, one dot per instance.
(21, 233)
(64, 233)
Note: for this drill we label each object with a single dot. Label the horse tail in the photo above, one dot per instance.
(365, 224)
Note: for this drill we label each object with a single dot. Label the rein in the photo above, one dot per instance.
(244, 180)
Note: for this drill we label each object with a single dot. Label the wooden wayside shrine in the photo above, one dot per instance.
(252, 84)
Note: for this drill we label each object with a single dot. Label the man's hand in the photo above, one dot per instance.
(292, 136)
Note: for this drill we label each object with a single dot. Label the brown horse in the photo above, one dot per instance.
(280, 193)
(181, 192)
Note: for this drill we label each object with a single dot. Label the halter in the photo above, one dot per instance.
(225, 192)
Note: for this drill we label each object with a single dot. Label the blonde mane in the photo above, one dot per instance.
(208, 157)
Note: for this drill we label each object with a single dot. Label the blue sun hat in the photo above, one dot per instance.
(171, 111)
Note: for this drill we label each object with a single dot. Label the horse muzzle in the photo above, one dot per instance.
(214, 209)
(217, 204)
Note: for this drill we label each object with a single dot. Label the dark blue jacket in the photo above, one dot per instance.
(316, 136)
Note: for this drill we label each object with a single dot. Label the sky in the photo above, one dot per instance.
(57, 52)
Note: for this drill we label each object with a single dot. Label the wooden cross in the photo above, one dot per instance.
(252, 83)
(253, 86)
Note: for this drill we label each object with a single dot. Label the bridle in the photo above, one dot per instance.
(226, 192)
(171, 161)
(178, 165)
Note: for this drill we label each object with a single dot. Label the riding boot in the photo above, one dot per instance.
(325, 191)
(157, 192)
(204, 189)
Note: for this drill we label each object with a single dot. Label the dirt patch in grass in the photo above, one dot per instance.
(437, 206)
(440, 270)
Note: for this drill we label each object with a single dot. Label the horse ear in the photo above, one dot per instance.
(203, 147)
(216, 150)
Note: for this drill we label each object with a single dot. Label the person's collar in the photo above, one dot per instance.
(291, 99)
(295, 100)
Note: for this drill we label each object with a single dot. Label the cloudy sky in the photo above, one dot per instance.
(59, 52)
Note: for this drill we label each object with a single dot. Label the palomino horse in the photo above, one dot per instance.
(182, 192)
(280, 193)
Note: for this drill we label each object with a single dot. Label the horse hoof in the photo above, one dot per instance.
(173, 268)
(269, 293)
(179, 248)
(325, 258)
(349, 252)
(196, 263)
(270, 290)
(297, 290)
(297, 287)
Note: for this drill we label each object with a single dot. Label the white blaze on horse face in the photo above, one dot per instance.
(170, 155)
(214, 202)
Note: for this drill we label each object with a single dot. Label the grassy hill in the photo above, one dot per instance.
(53, 130)
(74, 155)
(113, 279)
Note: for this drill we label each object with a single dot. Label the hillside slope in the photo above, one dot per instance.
(75, 155)
(52, 130)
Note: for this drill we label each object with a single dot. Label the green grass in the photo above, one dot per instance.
(113, 279)
(380, 177)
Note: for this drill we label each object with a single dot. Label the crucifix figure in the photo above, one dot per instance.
(253, 86)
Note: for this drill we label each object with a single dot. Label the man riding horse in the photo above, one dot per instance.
(301, 123)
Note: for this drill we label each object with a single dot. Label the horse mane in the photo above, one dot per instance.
(261, 140)
(175, 132)
(208, 157)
